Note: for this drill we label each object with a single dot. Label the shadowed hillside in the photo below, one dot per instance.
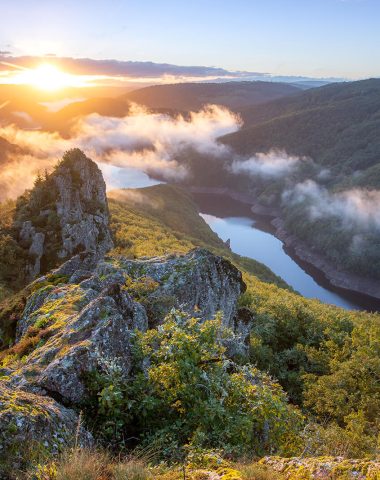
(336, 125)
(193, 96)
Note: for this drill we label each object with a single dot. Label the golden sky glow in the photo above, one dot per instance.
(49, 77)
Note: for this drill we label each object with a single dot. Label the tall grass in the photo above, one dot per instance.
(255, 471)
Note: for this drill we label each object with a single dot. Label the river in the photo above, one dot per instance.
(252, 236)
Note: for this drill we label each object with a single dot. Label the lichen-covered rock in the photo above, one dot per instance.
(65, 213)
(89, 311)
(29, 421)
(82, 206)
(197, 282)
(323, 468)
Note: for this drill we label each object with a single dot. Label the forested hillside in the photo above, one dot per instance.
(336, 125)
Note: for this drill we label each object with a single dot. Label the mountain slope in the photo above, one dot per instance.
(193, 96)
(336, 125)
(101, 335)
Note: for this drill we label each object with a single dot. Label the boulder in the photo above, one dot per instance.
(35, 424)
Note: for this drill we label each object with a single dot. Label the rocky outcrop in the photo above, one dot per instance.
(323, 468)
(37, 423)
(92, 314)
(65, 213)
(81, 317)
(82, 206)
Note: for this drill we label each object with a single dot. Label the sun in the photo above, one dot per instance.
(48, 77)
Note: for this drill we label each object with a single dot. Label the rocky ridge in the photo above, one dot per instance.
(65, 213)
(83, 316)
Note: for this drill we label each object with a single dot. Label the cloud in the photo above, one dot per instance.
(24, 116)
(273, 164)
(89, 66)
(151, 143)
(353, 208)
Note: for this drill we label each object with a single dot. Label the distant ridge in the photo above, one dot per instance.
(193, 96)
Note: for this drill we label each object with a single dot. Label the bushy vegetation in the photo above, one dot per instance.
(185, 391)
(327, 359)
(12, 256)
(186, 396)
(337, 125)
(306, 345)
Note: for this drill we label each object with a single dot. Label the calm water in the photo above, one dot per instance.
(252, 237)
(262, 246)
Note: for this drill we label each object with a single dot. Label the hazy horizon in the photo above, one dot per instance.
(205, 40)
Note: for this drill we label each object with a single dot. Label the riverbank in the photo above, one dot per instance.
(300, 251)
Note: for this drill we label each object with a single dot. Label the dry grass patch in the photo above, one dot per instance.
(255, 471)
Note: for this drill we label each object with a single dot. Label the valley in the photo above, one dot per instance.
(254, 236)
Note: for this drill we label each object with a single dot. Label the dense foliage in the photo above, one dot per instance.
(186, 391)
(325, 358)
(311, 348)
(12, 255)
(334, 130)
(337, 125)
(354, 246)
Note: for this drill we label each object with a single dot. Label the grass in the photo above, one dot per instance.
(87, 464)
(164, 219)
(255, 471)
(27, 344)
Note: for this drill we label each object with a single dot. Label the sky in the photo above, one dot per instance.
(315, 38)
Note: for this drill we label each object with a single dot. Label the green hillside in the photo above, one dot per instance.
(163, 219)
(326, 358)
(336, 125)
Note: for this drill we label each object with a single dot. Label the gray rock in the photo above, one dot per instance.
(34, 241)
(76, 220)
(30, 421)
(82, 207)
(199, 283)
(91, 324)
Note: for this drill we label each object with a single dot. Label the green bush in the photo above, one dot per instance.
(185, 391)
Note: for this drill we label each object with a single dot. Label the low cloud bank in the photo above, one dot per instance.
(273, 164)
(355, 208)
(144, 141)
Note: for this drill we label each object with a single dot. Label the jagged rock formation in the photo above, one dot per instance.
(84, 313)
(65, 213)
(92, 313)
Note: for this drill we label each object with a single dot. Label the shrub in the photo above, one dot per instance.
(185, 391)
